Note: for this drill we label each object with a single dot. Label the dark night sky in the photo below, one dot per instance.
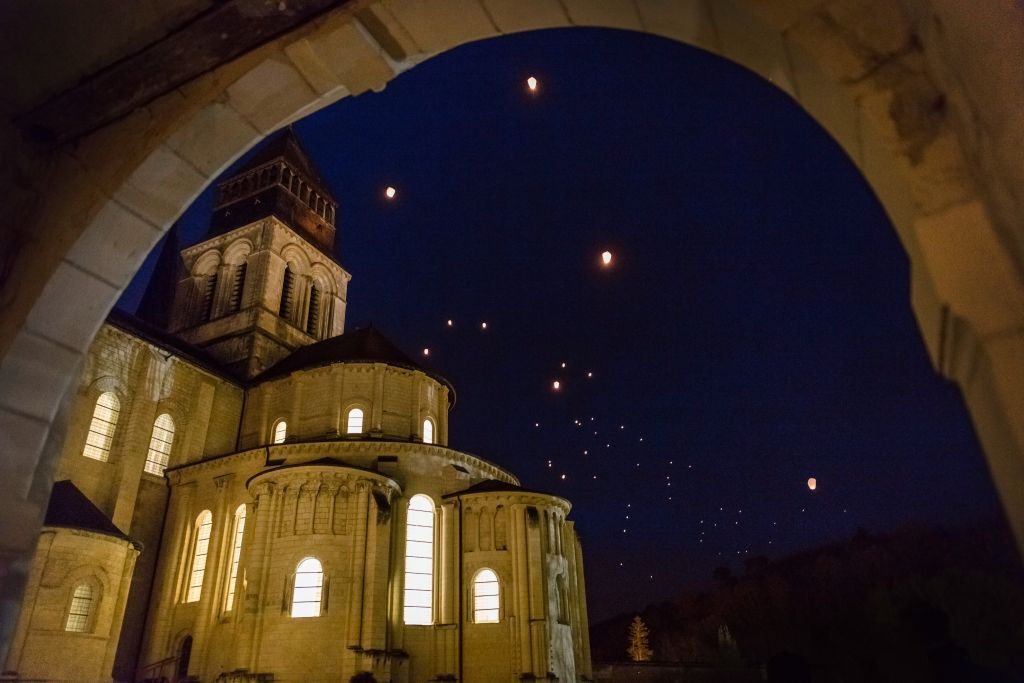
(755, 329)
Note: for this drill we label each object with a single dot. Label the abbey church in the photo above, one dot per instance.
(247, 492)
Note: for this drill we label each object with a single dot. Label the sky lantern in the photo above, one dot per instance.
(483, 326)
(812, 483)
(531, 83)
(606, 258)
(450, 322)
(390, 192)
(556, 385)
(426, 352)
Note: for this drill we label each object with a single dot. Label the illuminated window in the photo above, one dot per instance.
(102, 426)
(81, 608)
(354, 424)
(160, 445)
(419, 561)
(204, 523)
(485, 597)
(236, 554)
(280, 431)
(309, 587)
(428, 431)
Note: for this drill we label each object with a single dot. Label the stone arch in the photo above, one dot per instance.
(208, 263)
(236, 252)
(922, 114)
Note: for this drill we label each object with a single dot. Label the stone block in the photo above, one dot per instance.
(605, 13)
(971, 268)
(781, 14)
(162, 187)
(35, 374)
(828, 102)
(21, 441)
(213, 138)
(270, 93)
(395, 40)
(345, 57)
(526, 15)
(438, 25)
(688, 21)
(71, 307)
(748, 40)
(114, 244)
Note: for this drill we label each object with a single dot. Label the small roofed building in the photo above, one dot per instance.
(299, 513)
(70, 622)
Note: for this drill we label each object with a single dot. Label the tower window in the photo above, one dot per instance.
(312, 321)
(204, 524)
(419, 561)
(209, 289)
(428, 431)
(485, 597)
(236, 554)
(102, 426)
(307, 593)
(237, 287)
(159, 453)
(354, 424)
(80, 609)
(287, 284)
(280, 431)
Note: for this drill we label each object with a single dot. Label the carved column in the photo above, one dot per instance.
(253, 567)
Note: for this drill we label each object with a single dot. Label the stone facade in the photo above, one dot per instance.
(235, 474)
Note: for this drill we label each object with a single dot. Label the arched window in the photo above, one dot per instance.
(419, 561)
(101, 428)
(209, 290)
(285, 310)
(313, 319)
(308, 591)
(485, 597)
(184, 656)
(159, 453)
(236, 554)
(204, 523)
(237, 287)
(354, 423)
(80, 609)
(428, 431)
(280, 431)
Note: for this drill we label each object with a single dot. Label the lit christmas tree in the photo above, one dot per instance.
(639, 649)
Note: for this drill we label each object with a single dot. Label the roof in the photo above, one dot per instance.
(284, 145)
(154, 335)
(70, 508)
(365, 345)
(495, 486)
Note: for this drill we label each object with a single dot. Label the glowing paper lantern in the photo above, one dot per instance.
(531, 83)
(426, 352)
(556, 385)
(390, 192)
(606, 258)
(812, 483)
(483, 326)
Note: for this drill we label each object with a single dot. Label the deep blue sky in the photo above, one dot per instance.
(755, 329)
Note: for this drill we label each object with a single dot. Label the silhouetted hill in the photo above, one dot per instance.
(916, 605)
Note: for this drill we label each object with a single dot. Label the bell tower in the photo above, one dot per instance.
(265, 281)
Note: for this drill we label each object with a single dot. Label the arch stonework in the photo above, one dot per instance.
(930, 119)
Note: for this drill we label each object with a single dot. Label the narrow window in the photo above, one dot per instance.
(236, 554)
(428, 431)
(184, 656)
(204, 524)
(280, 431)
(419, 561)
(209, 289)
(285, 309)
(485, 597)
(308, 590)
(314, 311)
(237, 287)
(159, 453)
(81, 608)
(101, 428)
(355, 421)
